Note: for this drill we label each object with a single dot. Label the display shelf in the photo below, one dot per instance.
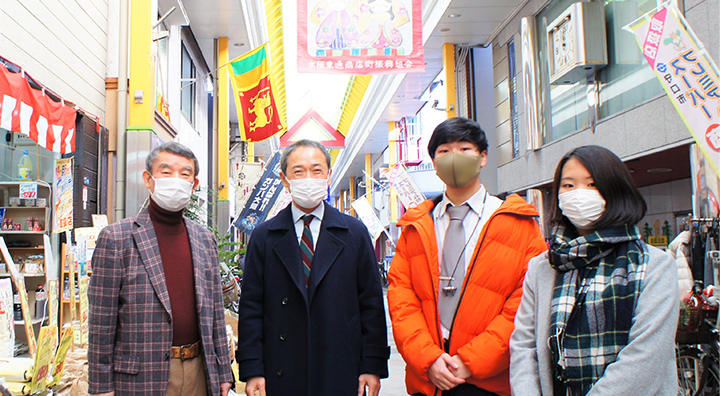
(36, 208)
(39, 274)
(34, 321)
(23, 232)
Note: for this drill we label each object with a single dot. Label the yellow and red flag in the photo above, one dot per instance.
(258, 114)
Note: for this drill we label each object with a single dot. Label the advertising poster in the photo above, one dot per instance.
(360, 37)
(408, 192)
(706, 186)
(367, 215)
(7, 322)
(63, 189)
(53, 301)
(687, 73)
(246, 176)
(59, 363)
(262, 197)
(43, 360)
(19, 281)
(83, 282)
(283, 201)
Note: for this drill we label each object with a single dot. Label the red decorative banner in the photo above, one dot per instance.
(360, 36)
(29, 111)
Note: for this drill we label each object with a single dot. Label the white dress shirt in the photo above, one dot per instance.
(482, 206)
(297, 215)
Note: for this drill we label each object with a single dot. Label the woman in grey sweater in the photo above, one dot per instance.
(599, 310)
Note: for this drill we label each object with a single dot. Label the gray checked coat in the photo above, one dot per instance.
(130, 313)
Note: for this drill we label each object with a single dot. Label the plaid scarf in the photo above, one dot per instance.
(596, 288)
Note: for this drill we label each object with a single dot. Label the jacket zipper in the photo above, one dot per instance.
(472, 267)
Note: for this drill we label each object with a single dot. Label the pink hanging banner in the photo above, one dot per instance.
(31, 112)
(360, 37)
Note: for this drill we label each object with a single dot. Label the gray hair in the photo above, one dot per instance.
(302, 143)
(172, 148)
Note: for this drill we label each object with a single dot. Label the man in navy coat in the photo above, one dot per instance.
(311, 318)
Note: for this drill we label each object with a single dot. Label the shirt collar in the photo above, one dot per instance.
(297, 214)
(475, 202)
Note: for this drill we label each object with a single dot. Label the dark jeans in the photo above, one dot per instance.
(464, 390)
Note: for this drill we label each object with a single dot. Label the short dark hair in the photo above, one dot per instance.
(457, 129)
(172, 148)
(302, 143)
(624, 205)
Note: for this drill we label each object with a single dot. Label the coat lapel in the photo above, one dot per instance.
(327, 249)
(146, 241)
(288, 250)
(198, 258)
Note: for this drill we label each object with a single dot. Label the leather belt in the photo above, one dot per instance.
(186, 351)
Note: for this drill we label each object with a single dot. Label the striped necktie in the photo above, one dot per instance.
(306, 246)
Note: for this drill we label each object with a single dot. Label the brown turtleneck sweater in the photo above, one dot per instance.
(172, 237)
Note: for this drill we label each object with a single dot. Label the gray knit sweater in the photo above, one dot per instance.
(646, 366)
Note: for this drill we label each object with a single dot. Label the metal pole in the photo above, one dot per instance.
(122, 97)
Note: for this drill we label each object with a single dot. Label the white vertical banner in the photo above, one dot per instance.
(686, 72)
(408, 192)
(367, 215)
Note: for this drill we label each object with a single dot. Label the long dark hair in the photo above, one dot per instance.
(624, 205)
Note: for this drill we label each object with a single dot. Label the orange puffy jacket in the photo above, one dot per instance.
(491, 294)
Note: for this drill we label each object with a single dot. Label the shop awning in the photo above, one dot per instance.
(31, 111)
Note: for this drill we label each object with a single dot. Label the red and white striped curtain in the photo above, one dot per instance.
(31, 112)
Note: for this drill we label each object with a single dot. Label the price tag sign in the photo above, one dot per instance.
(28, 190)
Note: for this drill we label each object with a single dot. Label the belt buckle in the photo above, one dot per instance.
(182, 352)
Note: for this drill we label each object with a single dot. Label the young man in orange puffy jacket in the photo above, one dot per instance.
(456, 279)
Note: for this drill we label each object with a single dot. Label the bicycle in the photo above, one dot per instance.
(382, 268)
(697, 364)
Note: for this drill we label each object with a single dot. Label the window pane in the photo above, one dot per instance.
(627, 80)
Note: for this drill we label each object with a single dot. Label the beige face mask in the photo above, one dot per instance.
(457, 170)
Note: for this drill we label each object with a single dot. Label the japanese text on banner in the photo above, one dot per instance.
(687, 74)
(261, 199)
(360, 37)
(408, 192)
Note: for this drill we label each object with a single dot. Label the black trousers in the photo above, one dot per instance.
(464, 390)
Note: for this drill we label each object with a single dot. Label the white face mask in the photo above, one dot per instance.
(172, 193)
(582, 206)
(308, 193)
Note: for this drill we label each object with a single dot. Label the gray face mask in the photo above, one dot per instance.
(457, 170)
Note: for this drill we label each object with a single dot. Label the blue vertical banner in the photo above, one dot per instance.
(262, 197)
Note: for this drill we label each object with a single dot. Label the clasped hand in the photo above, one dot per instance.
(448, 372)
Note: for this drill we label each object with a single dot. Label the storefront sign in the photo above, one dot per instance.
(360, 37)
(367, 215)
(31, 112)
(63, 213)
(408, 192)
(28, 190)
(266, 191)
(687, 73)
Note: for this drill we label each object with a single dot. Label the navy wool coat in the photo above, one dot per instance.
(130, 313)
(312, 340)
